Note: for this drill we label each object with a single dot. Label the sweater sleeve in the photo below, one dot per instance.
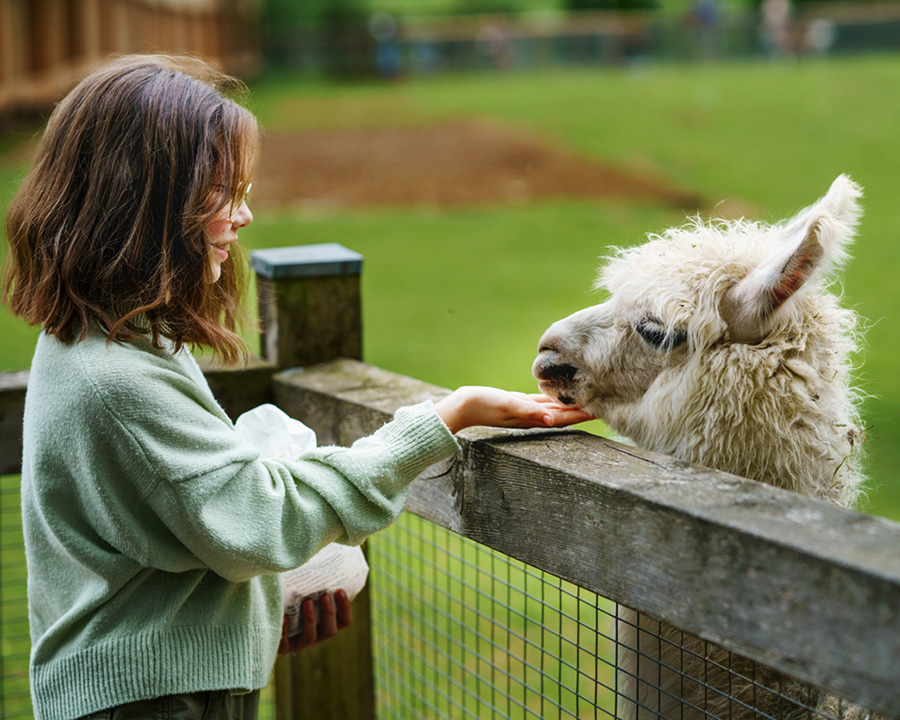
(256, 516)
(183, 491)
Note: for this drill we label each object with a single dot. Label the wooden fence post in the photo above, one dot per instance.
(309, 307)
(309, 304)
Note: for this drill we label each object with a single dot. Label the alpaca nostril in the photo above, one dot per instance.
(563, 372)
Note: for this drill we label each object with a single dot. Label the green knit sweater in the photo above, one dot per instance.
(153, 533)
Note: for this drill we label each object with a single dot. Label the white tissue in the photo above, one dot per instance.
(274, 433)
(278, 436)
(335, 567)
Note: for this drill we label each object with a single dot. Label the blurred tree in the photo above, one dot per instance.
(492, 7)
(314, 13)
(611, 4)
(341, 24)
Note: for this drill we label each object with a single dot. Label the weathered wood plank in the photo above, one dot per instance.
(12, 408)
(786, 580)
(236, 388)
(239, 388)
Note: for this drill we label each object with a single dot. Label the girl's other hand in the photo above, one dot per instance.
(492, 407)
(334, 614)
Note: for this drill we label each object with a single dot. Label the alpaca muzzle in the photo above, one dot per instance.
(555, 378)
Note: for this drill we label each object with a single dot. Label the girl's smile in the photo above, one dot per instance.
(222, 233)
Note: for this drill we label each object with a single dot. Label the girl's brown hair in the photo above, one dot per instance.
(109, 225)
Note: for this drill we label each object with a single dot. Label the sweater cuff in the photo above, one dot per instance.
(417, 438)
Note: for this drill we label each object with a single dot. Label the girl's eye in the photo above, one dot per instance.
(240, 199)
(245, 198)
(654, 334)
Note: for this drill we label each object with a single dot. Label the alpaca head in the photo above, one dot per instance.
(715, 334)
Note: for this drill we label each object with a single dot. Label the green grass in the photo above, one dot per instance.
(15, 643)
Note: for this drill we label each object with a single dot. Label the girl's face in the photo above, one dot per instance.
(222, 233)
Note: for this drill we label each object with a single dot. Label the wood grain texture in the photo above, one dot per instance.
(308, 321)
(12, 408)
(239, 388)
(807, 588)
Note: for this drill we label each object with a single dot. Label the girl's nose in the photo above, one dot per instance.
(242, 216)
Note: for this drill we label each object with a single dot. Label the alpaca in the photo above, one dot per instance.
(720, 344)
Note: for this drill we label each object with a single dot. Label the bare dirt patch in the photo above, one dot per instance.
(454, 164)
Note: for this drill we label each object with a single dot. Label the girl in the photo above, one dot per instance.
(153, 533)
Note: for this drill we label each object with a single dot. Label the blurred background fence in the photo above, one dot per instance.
(394, 47)
(47, 45)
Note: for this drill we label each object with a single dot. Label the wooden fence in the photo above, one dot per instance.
(788, 581)
(48, 45)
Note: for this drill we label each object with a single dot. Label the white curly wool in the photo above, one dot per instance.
(721, 344)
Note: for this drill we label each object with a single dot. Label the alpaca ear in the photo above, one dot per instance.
(815, 241)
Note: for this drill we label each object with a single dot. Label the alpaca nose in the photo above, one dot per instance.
(562, 372)
(549, 366)
(549, 358)
(550, 341)
(543, 361)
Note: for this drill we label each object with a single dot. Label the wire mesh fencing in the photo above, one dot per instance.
(15, 699)
(462, 631)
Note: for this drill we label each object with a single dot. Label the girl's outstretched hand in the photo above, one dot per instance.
(489, 406)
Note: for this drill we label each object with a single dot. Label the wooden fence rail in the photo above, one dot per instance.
(785, 580)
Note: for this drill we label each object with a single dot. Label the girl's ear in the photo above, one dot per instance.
(815, 241)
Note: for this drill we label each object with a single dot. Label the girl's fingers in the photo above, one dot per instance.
(493, 407)
(328, 618)
(570, 416)
(344, 609)
(335, 613)
(308, 632)
(541, 411)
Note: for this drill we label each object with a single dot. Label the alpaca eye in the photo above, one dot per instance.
(655, 335)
